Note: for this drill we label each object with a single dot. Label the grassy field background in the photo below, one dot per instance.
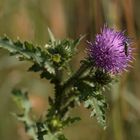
(29, 20)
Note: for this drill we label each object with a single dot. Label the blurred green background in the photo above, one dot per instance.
(28, 20)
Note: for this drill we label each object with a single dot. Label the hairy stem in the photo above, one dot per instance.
(58, 110)
(74, 77)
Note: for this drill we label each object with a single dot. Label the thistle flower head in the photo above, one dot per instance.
(111, 50)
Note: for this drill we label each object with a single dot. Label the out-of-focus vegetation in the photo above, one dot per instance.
(28, 20)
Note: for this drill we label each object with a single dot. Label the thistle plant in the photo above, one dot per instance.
(107, 57)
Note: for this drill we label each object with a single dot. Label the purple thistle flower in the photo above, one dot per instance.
(111, 51)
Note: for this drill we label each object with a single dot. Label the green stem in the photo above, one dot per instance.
(60, 92)
(74, 78)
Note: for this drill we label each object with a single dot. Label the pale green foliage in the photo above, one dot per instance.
(22, 101)
(98, 106)
(48, 59)
(93, 100)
